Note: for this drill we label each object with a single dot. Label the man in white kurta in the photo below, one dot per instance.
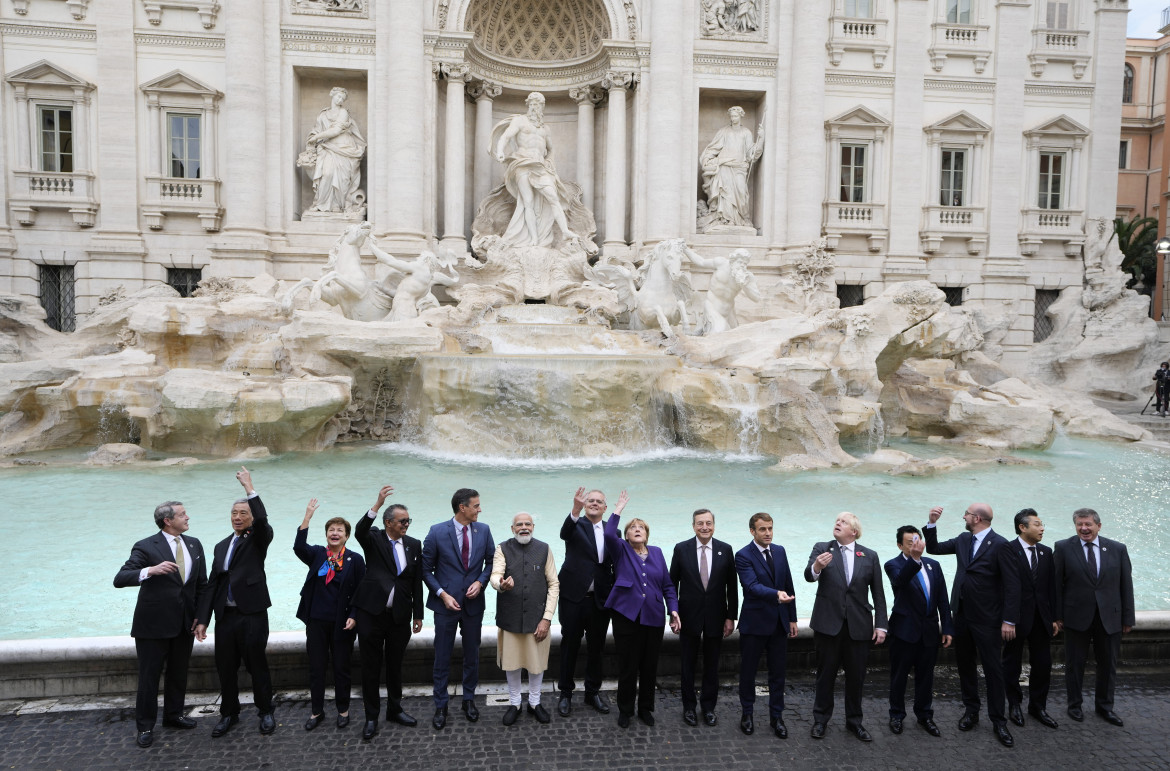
(525, 579)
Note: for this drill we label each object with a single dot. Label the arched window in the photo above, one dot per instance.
(1127, 86)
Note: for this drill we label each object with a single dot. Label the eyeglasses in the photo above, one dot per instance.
(406, 521)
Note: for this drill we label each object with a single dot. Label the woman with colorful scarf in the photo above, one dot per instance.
(330, 625)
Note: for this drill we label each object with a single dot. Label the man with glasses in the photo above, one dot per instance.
(977, 604)
(387, 599)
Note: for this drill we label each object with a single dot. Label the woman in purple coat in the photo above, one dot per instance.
(641, 585)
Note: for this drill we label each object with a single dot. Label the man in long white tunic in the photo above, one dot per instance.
(527, 589)
(726, 161)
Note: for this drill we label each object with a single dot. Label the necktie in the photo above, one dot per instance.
(974, 547)
(466, 549)
(704, 573)
(925, 585)
(394, 551)
(1092, 555)
(1032, 561)
(771, 565)
(180, 560)
(227, 561)
(845, 563)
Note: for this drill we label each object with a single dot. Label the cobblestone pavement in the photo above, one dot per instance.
(64, 737)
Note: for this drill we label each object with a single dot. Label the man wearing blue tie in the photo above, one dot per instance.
(919, 621)
(457, 562)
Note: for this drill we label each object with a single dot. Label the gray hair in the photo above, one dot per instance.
(1086, 514)
(165, 511)
(240, 500)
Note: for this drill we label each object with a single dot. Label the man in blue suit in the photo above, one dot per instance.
(457, 562)
(919, 621)
(766, 621)
(977, 602)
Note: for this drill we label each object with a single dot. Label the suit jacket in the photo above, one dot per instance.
(914, 617)
(837, 601)
(167, 606)
(382, 574)
(245, 573)
(703, 611)
(581, 566)
(977, 595)
(1079, 595)
(443, 566)
(1023, 596)
(348, 579)
(639, 586)
(762, 611)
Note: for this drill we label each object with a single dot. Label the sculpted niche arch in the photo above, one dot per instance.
(618, 18)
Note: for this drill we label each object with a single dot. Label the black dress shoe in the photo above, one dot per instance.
(689, 717)
(929, 726)
(1111, 717)
(403, 719)
(267, 724)
(470, 710)
(564, 705)
(968, 721)
(313, 722)
(1016, 715)
(1076, 714)
(623, 720)
(440, 718)
(598, 702)
(540, 713)
(182, 721)
(224, 725)
(1004, 736)
(342, 721)
(779, 728)
(646, 716)
(369, 731)
(511, 714)
(860, 732)
(1042, 717)
(896, 725)
(710, 719)
(145, 739)
(818, 731)
(747, 725)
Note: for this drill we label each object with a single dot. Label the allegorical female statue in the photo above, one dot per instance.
(334, 153)
(726, 163)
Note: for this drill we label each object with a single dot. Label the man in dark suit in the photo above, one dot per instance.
(586, 578)
(977, 604)
(919, 621)
(171, 575)
(387, 599)
(766, 621)
(703, 572)
(1029, 617)
(847, 575)
(238, 593)
(1094, 590)
(457, 562)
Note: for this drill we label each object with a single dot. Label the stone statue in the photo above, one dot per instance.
(334, 153)
(730, 17)
(730, 277)
(726, 163)
(659, 293)
(413, 293)
(522, 144)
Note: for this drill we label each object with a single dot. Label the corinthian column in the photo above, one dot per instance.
(586, 98)
(481, 160)
(454, 158)
(616, 84)
(406, 104)
(244, 119)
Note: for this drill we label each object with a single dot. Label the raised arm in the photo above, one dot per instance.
(402, 266)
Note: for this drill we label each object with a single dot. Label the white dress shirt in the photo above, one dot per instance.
(187, 561)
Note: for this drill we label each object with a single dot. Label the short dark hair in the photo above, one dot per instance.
(757, 517)
(907, 529)
(702, 511)
(1022, 517)
(338, 521)
(1086, 514)
(462, 497)
(165, 511)
(388, 516)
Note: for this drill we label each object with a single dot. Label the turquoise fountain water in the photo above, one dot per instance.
(91, 517)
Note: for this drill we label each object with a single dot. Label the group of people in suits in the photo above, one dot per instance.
(1008, 595)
